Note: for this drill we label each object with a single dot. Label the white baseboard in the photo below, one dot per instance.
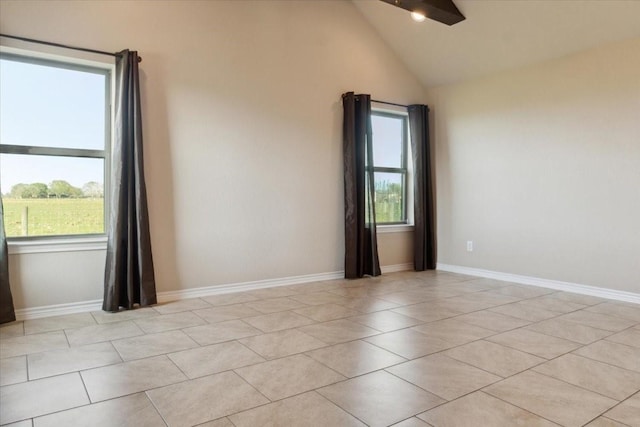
(58, 309)
(246, 286)
(84, 306)
(396, 268)
(261, 284)
(544, 283)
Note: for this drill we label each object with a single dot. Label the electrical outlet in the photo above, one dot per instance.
(469, 245)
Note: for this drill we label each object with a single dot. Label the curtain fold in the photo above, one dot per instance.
(424, 204)
(361, 247)
(129, 275)
(7, 313)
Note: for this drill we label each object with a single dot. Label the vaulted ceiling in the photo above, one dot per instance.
(500, 34)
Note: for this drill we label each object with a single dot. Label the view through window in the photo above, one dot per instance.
(390, 166)
(54, 133)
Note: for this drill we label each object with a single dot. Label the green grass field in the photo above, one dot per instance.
(50, 217)
(388, 212)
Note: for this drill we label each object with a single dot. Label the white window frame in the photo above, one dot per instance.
(69, 242)
(407, 226)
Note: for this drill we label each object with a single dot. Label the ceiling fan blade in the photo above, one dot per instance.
(444, 11)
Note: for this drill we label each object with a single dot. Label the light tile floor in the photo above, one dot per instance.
(405, 349)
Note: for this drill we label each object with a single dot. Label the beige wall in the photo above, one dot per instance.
(395, 249)
(41, 279)
(540, 167)
(242, 126)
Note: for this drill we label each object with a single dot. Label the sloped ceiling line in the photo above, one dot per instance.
(499, 35)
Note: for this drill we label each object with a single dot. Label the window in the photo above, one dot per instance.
(54, 140)
(390, 146)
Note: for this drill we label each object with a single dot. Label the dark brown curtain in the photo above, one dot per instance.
(129, 277)
(424, 213)
(361, 247)
(7, 314)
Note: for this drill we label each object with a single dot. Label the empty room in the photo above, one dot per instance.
(320, 213)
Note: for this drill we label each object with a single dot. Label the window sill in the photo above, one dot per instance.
(75, 244)
(398, 228)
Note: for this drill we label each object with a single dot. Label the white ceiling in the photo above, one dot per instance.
(500, 34)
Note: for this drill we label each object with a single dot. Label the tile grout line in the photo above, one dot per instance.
(155, 407)
(380, 297)
(602, 414)
(505, 378)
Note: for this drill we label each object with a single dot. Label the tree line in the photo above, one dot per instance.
(388, 191)
(57, 189)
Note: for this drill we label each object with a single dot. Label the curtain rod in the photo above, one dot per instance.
(390, 103)
(25, 39)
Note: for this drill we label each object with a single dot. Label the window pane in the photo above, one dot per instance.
(47, 106)
(387, 141)
(48, 195)
(389, 197)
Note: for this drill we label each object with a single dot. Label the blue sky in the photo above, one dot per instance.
(48, 106)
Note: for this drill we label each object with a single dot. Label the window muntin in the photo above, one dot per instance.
(390, 139)
(54, 138)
